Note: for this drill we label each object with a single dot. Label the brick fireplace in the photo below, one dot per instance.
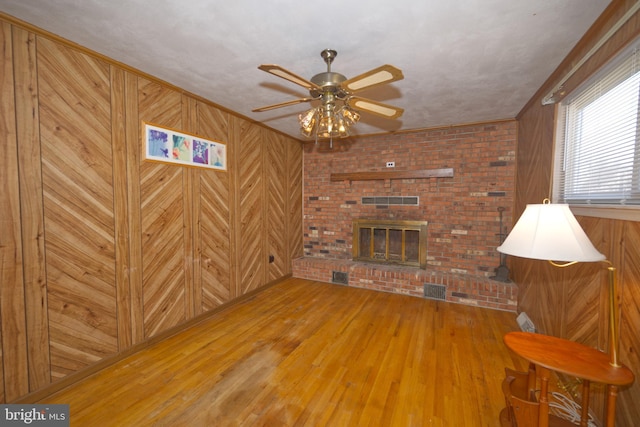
(457, 179)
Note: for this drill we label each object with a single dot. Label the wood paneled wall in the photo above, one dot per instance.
(572, 302)
(100, 250)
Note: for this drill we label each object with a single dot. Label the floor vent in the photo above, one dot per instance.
(438, 292)
(340, 277)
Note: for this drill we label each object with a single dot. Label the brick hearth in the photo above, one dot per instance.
(460, 288)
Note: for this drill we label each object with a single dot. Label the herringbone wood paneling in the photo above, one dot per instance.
(294, 163)
(214, 231)
(584, 285)
(276, 218)
(629, 291)
(162, 245)
(114, 249)
(78, 206)
(251, 193)
(539, 288)
(14, 373)
(162, 219)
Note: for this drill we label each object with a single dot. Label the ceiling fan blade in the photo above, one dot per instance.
(283, 104)
(375, 107)
(378, 76)
(277, 70)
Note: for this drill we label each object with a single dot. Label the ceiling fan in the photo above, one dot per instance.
(338, 105)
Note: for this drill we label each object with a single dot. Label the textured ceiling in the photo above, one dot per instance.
(463, 61)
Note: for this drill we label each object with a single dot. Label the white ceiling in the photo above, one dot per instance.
(463, 61)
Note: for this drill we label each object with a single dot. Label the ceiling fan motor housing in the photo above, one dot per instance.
(328, 82)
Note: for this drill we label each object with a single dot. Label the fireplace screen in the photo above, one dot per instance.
(393, 242)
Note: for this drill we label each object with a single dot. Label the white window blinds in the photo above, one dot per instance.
(598, 154)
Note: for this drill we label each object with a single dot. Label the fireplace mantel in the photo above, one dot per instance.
(384, 175)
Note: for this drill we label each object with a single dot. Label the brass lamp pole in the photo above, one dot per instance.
(550, 232)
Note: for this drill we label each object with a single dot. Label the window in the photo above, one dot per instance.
(598, 147)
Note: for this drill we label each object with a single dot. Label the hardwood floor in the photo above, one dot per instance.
(311, 353)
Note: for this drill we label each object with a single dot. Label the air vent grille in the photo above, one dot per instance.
(340, 277)
(391, 201)
(437, 292)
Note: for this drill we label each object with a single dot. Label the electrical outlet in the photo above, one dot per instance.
(391, 164)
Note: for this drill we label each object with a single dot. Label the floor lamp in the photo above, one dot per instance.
(550, 232)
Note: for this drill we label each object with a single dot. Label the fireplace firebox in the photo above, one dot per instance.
(400, 242)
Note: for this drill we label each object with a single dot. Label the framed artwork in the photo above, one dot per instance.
(180, 148)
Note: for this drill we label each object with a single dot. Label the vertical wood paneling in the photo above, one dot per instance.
(29, 156)
(162, 219)
(190, 205)
(134, 221)
(233, 166)
(214, 231)
(534, 164)
(120, 206)
(195, 303)
(251, 190)
(12, 316)
(276, 205)
(77, 171)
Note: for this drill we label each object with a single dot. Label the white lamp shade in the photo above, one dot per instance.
(550, 232)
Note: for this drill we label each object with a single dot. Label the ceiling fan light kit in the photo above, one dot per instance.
(338, 109)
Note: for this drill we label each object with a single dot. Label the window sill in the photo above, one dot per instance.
(626, 213)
